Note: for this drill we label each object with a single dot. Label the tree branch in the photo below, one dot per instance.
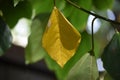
(96, 15)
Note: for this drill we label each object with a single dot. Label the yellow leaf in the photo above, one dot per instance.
(60, 38)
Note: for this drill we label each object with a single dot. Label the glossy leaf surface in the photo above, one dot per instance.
(5, 36)
(111, 57)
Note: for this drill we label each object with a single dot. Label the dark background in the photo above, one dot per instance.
(12, 67)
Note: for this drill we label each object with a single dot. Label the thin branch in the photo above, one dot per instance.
(97, 16)
(92, 51)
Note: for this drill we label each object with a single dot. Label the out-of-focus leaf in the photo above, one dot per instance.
(7, 8)
(23, 9)
(34, 50)
(84, 47)
(16, 2)
(67, 11)
(111, 57)
(107, 77)
(6, 4)
(42, 6)
(103, 4)
(13, 14)
(78, 18)
(84, 69)
(97, 48)
(5, 36)
(60, 38)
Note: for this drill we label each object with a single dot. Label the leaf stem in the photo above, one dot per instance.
(96, 15)
(54, 1)
(92, 51)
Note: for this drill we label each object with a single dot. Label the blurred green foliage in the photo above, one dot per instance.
(38, 12)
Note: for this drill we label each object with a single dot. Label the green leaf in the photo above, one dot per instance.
(6, 4)
(61, 73)
(103, 4)
(13, 14)
(34, 50)
(77, 17)
(43, 6)
(23, 9)
(107, 77)
(16, 2)
(7, 8)
(84, 69)
(5, 36)
(97, 48)
(111, 57)
(67, 11)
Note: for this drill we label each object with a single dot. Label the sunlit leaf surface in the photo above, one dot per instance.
(60, 39)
